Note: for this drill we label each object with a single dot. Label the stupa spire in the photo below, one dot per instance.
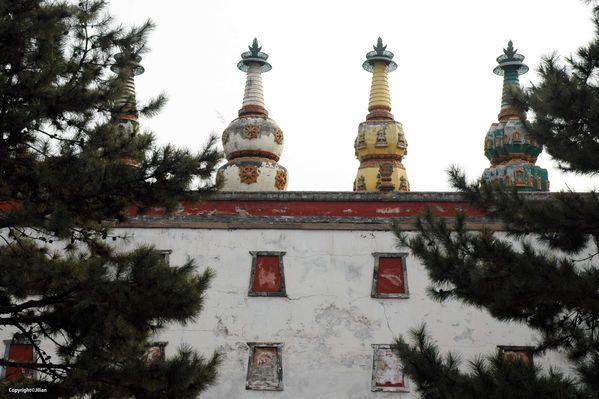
(508, 145)
(126, 114)
(253, 142)
(128, 64)
(380, 63)
(381, 144)
(254, 63)
(510, 67)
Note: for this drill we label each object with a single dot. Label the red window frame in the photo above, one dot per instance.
(390, 276)
(379, 352)
(20, 352)
(272, 353)
(267, 276)
(511, 352)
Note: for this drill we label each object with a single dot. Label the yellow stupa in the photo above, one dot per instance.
(381, 144)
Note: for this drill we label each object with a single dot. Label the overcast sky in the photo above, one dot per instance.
(443, 92)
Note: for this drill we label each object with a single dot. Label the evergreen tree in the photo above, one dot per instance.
(68, 171)
(544, 274)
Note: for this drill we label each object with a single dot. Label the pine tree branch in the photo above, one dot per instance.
(565, 220)
(49, 336)
(35, 149)
(15, 321)
(35, 366)
(55, 136)
(35, 303)
(40, 354)
(59, 88)
(440, 376)
(482, 270)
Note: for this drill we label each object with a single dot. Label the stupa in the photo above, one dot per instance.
(253, 142)
(381, 144)
(508, 145)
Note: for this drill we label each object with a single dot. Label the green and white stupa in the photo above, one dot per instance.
(508, 145)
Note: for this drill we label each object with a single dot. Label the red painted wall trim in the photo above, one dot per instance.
(366, 209)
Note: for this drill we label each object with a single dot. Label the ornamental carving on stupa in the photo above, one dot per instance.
(380, 145)
(253, 142)
(508, 145)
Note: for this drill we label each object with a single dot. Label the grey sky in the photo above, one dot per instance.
(444, 91)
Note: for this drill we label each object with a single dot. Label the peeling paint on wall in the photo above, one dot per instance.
(466, 335)
(220, 329)
(334, 320)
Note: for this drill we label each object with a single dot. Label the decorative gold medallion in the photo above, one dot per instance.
(281, 180)
(220, 178)
(248, 174)
(278, 136)
(225, 137)
(251, 131)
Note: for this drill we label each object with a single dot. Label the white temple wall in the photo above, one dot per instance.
(328, 321)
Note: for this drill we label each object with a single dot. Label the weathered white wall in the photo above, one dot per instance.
(328, 322)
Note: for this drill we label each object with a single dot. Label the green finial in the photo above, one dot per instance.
(510, 62)
(254, 56)
(379, 48)
(380, 54)
(510, 67)
(127, 59)
(510, 52)
(255, 48)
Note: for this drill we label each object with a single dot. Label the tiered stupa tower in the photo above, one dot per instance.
(381, 144)
(508, 145)
(126, 114)
(253, 142)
